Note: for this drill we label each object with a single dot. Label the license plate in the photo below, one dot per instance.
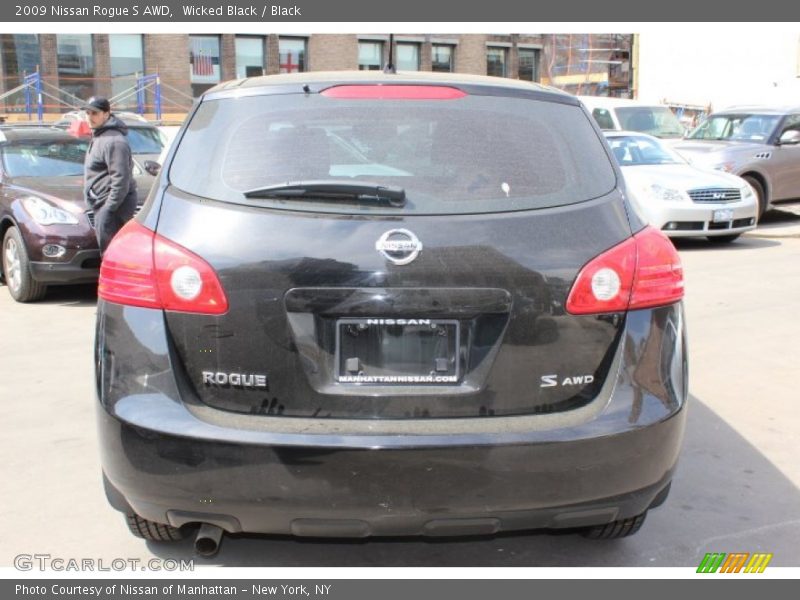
(722, 215)
(397, 351)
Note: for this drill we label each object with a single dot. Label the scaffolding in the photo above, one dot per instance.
(34, 90)
(589, 64)
(36, 95)
(139, 90)
(33, 83)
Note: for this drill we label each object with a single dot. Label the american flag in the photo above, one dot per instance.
(202, 64)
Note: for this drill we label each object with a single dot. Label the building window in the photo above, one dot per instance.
(442, 58)
(370, 56)
(619, 73)
(127, 63)
(292, 55)
(203, 62)
(496, 61)
(407, 57)
(249, 57)
(529, 64)
(20, 57)
(75, 58)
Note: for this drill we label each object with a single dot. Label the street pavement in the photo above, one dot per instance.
(737, 488)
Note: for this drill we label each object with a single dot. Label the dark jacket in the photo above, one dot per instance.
(108, 168)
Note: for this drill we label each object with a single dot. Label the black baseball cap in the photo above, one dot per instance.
(97, 103)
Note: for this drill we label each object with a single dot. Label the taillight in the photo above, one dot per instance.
(127, 273)
(642, 272)
(141, 268)
(659, 273)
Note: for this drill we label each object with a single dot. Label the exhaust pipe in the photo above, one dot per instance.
(208, 540)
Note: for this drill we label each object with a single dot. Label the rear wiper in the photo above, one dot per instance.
(333, 190)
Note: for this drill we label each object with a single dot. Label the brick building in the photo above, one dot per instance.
(76, 66)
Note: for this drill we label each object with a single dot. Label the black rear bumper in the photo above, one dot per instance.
(437, 491)
(174, 460)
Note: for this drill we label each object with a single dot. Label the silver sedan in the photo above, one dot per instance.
(678, 198)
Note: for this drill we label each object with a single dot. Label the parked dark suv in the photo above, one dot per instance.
(46, 235)
(47, 232)
(376, 304)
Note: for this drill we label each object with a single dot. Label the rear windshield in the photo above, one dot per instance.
(472, 154)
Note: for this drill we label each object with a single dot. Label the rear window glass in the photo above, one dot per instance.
(472, 154)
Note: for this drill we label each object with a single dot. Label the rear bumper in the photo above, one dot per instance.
(455, 490)
(167, 461)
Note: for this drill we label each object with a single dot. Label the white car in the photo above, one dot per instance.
(619, 114)
(678, 198)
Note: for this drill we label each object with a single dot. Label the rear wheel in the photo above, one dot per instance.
(760, 194)
(16, 269)
(150, 530)
(723, 239)
(616, 529)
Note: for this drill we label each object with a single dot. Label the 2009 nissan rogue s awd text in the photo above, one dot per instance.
(363, 304)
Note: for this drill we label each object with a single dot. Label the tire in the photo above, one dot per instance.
(760, 194)
(150, 530)
(17, 271)
(616, 529)
(723, 239)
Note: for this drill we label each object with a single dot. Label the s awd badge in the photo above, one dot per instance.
(553, 380)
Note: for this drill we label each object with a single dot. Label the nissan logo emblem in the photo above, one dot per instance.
(399, 246)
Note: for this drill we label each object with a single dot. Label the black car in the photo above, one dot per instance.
(364, 304)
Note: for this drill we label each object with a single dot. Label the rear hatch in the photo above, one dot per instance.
(393, 251)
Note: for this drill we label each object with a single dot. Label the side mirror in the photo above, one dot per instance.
(152, 167)
(790, 138)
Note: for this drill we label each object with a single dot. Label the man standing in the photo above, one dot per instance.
(109, 186)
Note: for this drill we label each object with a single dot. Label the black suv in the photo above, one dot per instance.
(373, 304)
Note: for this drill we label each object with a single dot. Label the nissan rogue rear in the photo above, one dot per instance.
(364, 304)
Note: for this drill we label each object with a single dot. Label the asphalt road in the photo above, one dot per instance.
(737, 488)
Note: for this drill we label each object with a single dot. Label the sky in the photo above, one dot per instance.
(720, 63)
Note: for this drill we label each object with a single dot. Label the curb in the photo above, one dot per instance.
(766, 235)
